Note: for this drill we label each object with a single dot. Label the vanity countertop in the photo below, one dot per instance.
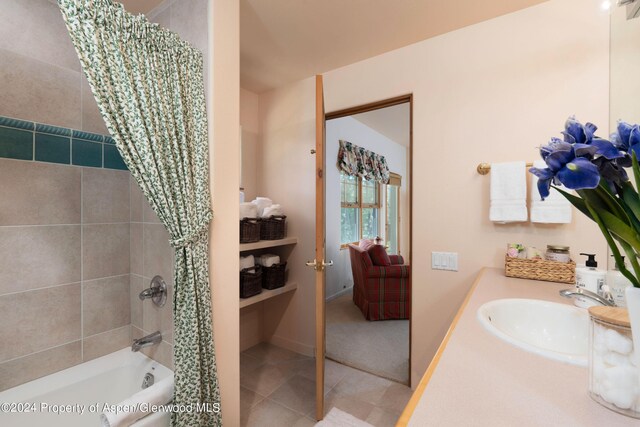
(476, 379)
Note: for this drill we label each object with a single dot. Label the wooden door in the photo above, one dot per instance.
(320, 263)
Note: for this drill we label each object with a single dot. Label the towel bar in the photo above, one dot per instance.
(485, 168)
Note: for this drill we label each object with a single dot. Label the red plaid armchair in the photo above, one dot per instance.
(381, 292)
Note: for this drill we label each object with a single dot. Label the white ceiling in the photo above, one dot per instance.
(282, 41)
(392, 122)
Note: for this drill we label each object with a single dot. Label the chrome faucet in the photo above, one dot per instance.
(146, 341)
(579, 292)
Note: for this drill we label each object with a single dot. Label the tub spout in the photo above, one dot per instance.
(146, 341)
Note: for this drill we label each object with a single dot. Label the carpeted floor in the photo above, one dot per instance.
(381, 347)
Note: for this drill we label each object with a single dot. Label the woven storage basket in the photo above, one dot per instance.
(250, 283)
(249, 230)
(273, 277)
(540, 269)
(272, 228)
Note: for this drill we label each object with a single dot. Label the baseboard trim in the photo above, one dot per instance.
(339, 294)
(294, 346)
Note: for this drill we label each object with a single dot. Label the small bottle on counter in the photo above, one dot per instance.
(558, 253)
(590, 279)
(617, 284)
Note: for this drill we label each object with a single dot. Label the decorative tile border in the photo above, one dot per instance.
(24, 140)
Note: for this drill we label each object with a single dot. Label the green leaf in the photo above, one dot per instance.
(619, 228)
(612, 245)
(636, 168)
(631, 256)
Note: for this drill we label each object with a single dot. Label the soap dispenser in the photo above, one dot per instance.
(617, 284)
(590, 279)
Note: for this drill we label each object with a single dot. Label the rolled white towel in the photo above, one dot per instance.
(272, 210)
(268, 260)
(160, 393)
(247, 262)
(248, 210)
(261, 203)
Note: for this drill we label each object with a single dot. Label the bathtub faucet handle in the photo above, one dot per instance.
(157, 291)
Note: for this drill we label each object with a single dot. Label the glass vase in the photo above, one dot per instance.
(614, 379)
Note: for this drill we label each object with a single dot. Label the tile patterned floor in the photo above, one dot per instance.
(277, 388)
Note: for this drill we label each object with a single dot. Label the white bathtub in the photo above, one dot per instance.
(108, 379)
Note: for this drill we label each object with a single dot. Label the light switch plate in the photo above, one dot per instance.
(444, 261)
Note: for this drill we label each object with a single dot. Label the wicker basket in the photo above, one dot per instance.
(249, 230)
(540, 269)
(273, 277)
(272, 228)
(250, 283)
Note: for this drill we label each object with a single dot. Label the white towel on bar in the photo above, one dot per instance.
(555, 209)
(248, 210)
(160, 393)
(508, 192)
(247, 262)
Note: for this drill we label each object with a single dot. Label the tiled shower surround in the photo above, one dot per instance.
(77, 245)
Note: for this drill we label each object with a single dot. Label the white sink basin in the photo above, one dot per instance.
(556, 331)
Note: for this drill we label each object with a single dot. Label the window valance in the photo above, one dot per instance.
(357, 161)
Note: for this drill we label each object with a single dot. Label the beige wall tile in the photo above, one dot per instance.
(35, 257)
(34, 90)
(148, 214)
(28, 368)
(105, 195)
(38, 193)
(156, 318)
(137, 198)
(136, 285)
(136, 248)
(92, 120)
(105, 250)
(36, 320)
(105, 343)
(36, 28)
(158, 254)
(105, 304)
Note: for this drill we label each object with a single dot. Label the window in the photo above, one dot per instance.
(392, 220)
(360, 206)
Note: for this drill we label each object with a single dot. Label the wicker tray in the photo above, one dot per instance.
(540, 269)
(250, 283)
(273, 277)
(249, 230)
(272, 228)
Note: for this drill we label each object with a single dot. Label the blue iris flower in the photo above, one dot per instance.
(577, 133)
(627, 138)
(567, 164)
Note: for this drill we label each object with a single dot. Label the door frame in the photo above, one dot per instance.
(364, 108)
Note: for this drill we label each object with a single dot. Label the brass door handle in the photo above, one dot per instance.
(318, 266)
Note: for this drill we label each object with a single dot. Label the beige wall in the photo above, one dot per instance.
(489, 92)
(250, 123)
(224, 155)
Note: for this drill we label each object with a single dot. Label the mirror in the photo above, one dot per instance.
(624, 67)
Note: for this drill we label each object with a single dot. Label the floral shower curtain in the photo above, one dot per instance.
(150, 90)
(357, 161)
